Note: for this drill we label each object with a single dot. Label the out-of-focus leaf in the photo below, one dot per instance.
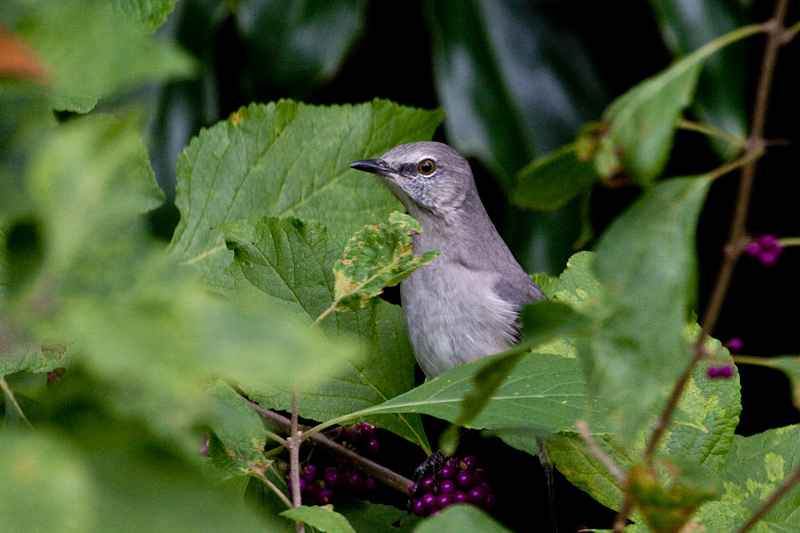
(460, 518)
(374, 258)
(641, 123)
(719, 517)
(289, 159)
(754, 468)
(30, 356)
(240, 432)
(668, 499)
(298, 44)
(720, 98)
(509, 81)
(367, 516)
(323, 518)
(646, 262)
(137, 320)
(551, 181)
(91, 50)
(288, 263)
(51, 485)
(150, 13)
(702, 433)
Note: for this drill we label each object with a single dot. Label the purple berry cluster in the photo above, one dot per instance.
(321, 486)
(766, 249)
(457, 481)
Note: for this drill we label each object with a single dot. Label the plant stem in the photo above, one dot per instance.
(381, 473)
(275, 489)
(294, 460)
(594, 449)
(787, 483)
(10, 395)
(325, 313)
(711, 131)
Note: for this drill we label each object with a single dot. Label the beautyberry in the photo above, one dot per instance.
(325, 496)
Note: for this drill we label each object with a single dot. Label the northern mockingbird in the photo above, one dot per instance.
(465, 304)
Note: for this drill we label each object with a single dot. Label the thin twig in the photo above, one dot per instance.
(337, 451)
(274, 488)
(711, 131)
(294, 461)
(13, 400)
(787, 483)
(621, 520)
(597, 453)
(789, 241)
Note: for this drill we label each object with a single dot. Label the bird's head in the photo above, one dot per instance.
(428, 177)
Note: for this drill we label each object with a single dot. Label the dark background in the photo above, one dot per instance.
(392, 58)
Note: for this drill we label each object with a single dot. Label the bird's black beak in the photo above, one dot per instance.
(375, 166)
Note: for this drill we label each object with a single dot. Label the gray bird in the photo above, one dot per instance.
(465, 304)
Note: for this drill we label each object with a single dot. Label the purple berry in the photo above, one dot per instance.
(350, 434)
(412, 488)
(735, 344)
(332, 477)
(491, 502)
(768, 258)
(447, 486)
(311, 473)
(447, 472)
(427, 484)
(371, 447)
(367, 430)
(435, 512)
(470, 462)
(428, 501)
(417, 509)
(724, 372)
(486, 488)
(476, 495)
(368, 486)
(464, 480)
(353, 481)
(325, 496)
(460, 497)
(479, 475)
(311, 490)
(444, 500)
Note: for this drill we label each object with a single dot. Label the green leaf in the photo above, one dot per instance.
(551, 181)
(460, 518)
(646, 262)
(240, 433)
(150, 13)
(323, 518)
(756, 465)
(788, 364)
(374, 258)
(92, 50)
(53, 485)
(642, 122)
(720, 99)
(32, 357)
(667, 491)
(367, 516)
(297, 45)
(289, 159)
(288, 263)
(544, 392)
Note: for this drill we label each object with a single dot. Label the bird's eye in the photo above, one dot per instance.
(426, 167)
